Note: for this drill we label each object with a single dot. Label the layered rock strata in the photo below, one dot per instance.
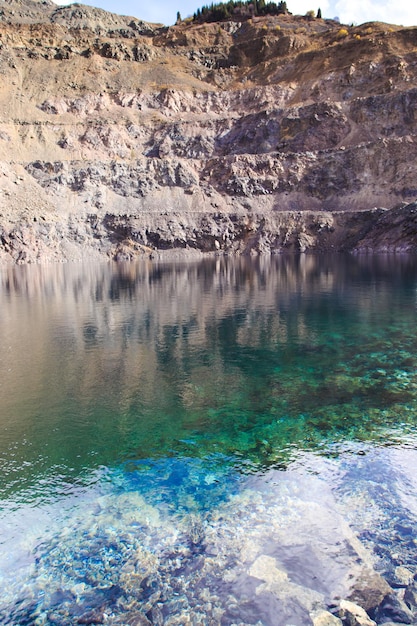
(276, 133)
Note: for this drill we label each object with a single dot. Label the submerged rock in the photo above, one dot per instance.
(403, 576)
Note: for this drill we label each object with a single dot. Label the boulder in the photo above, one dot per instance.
(370, 590)
(355, 615)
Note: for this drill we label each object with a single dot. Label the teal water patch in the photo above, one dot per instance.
(173, 436)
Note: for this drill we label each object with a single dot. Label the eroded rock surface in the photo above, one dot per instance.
(280, 122)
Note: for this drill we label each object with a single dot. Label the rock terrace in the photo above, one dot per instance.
(119, 138)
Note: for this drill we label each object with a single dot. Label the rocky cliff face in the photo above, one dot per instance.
(119, 137)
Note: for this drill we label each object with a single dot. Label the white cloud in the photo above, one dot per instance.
(359, 11)
(300, 7)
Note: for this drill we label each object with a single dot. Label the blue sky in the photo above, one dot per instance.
(357, 11)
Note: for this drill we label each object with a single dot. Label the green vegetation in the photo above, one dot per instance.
(240, 9)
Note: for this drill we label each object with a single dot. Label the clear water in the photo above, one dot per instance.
(204, 442)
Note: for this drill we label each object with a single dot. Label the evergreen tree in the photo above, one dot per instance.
(282, 7)
(240, 8)
(319, 14)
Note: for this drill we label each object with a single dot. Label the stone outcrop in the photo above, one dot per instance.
(271, 134)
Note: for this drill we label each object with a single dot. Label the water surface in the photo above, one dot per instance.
(204, 441)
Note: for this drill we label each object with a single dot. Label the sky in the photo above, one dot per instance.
(348, 11)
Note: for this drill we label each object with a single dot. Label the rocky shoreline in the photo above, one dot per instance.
(123, 237)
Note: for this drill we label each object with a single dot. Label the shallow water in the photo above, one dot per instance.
(203, 442)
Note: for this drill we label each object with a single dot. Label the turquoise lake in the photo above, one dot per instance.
(219, 441)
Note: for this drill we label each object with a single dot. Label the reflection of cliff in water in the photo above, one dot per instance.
(250, 354)
(93, 302)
